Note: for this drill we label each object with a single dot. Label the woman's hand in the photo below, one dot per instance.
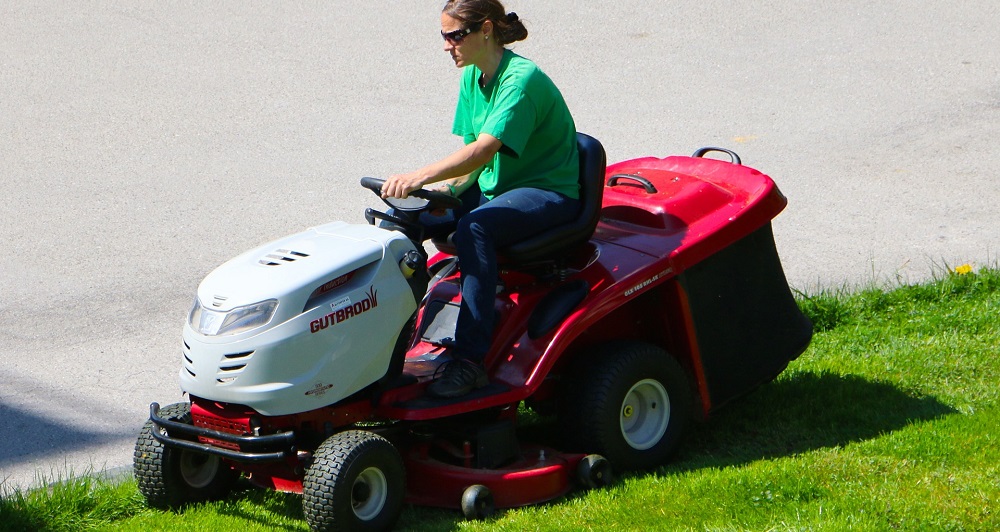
(463, 162)
(400, 185)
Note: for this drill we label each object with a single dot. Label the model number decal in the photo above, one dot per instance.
(319, 389)
(343, 310)
(647, 282)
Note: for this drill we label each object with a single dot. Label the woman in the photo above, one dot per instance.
(517, 174)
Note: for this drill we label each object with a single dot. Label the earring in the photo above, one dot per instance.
(487, 37)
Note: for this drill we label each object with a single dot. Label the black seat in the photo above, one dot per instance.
(555, 241)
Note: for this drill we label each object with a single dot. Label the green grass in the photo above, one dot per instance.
(889, 421)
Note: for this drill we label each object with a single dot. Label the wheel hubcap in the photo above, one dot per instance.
(645, 414)
(369, 493)
(198, 470)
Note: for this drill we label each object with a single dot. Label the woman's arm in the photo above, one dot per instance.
(456, 185)
(463, 162)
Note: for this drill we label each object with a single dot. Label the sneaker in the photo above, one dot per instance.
(458, 377)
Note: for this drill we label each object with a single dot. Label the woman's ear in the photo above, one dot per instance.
(487, 29)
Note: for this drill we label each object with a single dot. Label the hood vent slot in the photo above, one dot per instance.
(282, 256)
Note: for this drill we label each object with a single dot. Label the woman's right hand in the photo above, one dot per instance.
(400, 185)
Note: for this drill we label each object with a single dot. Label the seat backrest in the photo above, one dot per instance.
(556, 240)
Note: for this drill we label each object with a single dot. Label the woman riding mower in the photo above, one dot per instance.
(517, 174)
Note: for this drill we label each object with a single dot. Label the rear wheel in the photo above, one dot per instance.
(171, 477)
(356, 482)
(628, 401)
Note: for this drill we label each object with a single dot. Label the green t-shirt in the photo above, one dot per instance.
(524, 110)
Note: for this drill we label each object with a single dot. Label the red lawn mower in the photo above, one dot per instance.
(306, 360)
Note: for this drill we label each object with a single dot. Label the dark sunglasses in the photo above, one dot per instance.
(455, 37)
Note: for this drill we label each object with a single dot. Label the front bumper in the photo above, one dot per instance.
(251, 449)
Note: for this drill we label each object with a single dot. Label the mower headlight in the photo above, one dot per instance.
(240, 319)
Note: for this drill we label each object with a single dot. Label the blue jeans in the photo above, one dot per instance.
(481, 227)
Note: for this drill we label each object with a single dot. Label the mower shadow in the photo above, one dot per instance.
(803, 412)
(267, 506)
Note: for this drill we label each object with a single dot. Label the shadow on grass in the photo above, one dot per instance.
(264, 508)
(805, 412)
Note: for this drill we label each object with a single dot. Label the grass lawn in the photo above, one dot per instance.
(889, 421)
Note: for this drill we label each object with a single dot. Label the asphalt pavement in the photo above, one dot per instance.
(144, 143)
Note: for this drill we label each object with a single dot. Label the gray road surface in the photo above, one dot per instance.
(143, 143)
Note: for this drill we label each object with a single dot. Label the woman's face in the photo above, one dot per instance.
(465, 50)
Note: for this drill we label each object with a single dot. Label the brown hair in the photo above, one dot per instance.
(508, 27)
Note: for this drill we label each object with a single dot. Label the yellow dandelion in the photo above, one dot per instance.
(963, 269)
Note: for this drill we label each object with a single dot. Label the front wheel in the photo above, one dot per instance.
(170, 477)
(628, 401)
(357, 481)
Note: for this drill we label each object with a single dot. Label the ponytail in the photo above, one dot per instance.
(510, 29)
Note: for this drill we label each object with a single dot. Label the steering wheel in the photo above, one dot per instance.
(418, 200)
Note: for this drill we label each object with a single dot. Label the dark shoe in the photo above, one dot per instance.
(458, 377)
